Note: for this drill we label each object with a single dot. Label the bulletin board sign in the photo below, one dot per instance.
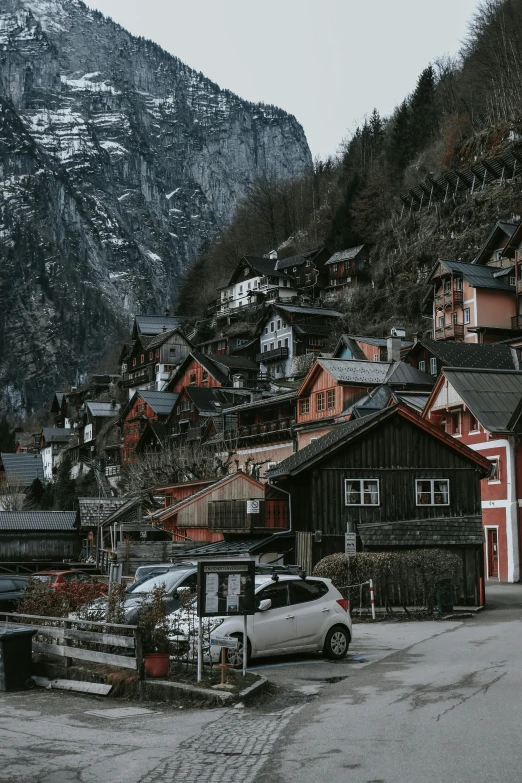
(226, 588)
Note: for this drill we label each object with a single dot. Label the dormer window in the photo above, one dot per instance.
(151, 355)
(245, 271)
(512, 280)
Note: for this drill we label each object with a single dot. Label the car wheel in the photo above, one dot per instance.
(235, 657)
(336, 643)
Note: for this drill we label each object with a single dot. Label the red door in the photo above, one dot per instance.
(492, 553)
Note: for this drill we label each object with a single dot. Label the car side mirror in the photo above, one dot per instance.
(265, 604)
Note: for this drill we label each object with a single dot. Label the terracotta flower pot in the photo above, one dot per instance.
(156, 664)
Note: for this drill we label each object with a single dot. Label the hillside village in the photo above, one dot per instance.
(235, 434)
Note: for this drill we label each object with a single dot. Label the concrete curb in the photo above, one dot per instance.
(164, 690)
(255, 688)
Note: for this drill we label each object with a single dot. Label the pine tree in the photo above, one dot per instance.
(64, 492)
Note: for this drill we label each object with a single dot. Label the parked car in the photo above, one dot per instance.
(158, 568)
(59, 580)
(11, 591)
(293, 615)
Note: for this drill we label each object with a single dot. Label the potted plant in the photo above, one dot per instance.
(152, 620)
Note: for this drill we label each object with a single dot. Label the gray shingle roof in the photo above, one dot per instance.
(401, 374)
(308, 310)
(317, 330)
(375, 373)
(161, 403)
(417, 401)
(496, 356)
(345, 255)
(479, 276)
(22, 469)
(105, 409)
(37, 520)
(94, 510)
(57, 434)
(227, 548)
(160, 338)
(153, 324)
(463, 531)
(492, 396)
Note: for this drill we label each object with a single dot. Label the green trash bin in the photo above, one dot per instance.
(16, 657)
(444, 596)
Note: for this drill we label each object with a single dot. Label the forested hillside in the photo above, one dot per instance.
(461, 110)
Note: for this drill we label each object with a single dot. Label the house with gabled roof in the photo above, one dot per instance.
(151, 325)
(333, 387)
(144, 406)
(346, 268)
(308, 270)
(212, 371)
(373, 349)
(153, 358)
(395, 480)
(483, 409)
(53, 440)
(20, 470)
(495, 250)
(432, 355)
(254, 281)
(471, 303)
(291, 331)
(197, 405)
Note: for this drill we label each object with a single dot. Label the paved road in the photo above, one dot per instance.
(445, 709)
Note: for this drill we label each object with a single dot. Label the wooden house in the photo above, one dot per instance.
(432, 355)
(395, 480)
(483, 409)
(255, 281)
(373, 349)
(217, 508)
(308, 270)
(214, 371)
(333, 387)
(39, 537)
(144, 406)
(262, 434)
(195, 406)
(152, 359)
(346, 268)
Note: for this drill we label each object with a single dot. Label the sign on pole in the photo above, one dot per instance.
(253, 506)
(226, 588)
(350, 544)
(224, 641)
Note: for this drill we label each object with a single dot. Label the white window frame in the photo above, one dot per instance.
(361, 491)
(432, 492)
(498, 480)
(466, 315)
(433, 366)
(422, 366)
(512, 280)
(376, 357)
(471, 432)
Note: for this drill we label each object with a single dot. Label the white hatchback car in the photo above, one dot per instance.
(293, 615)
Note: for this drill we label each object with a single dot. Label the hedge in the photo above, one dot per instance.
(401, 578)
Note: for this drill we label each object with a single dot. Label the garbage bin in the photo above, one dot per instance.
(444, 594)
(16, 656)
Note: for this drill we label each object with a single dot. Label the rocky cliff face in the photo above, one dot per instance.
(117, 162)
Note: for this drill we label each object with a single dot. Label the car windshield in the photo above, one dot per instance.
(169, 579)
(44, 577)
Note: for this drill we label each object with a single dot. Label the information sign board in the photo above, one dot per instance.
(350, 544)
(226, 587)
(253, 506)
(224, 641)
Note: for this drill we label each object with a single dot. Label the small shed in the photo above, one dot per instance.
(38, 536)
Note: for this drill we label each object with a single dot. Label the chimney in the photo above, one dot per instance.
(393, 345)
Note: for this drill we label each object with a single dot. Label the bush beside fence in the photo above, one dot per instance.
(407, 579)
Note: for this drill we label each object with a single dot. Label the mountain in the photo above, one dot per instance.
(118, 163)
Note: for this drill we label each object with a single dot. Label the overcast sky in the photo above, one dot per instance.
(328, 62)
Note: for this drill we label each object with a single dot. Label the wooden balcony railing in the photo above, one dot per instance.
(265, 427)
(137, 377)
(232, 515)
(516, 322)
(272, 356)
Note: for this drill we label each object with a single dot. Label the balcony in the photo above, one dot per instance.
(112, 470)
(138, 377)
(194, 433)
(449, 299)
(276, 355)
(449, 332)
(266, 427)
(232, 515)
(516, 322)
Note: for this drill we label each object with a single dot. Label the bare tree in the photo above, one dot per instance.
(12, 496)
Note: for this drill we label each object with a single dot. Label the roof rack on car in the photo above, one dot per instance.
(266, 568)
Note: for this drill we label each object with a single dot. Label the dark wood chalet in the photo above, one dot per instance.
(210, 372)
(432, 355)
(152, 358)
(396, 483)
(308, 269)
(195, 406)
(346, 268)
(144, 407)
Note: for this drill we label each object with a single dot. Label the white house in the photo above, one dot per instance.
(256, 280)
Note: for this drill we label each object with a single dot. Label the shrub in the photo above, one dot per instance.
(400, 578)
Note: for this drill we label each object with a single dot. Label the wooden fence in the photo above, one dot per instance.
(73, 642)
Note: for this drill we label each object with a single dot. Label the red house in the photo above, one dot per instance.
(201, 370)
(144, 407)
(483, 409)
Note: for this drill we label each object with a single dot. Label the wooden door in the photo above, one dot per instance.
(492, 550)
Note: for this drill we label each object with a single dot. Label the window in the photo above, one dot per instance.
(278, 324)
(512, 280)
(308, 278)
(249, 286)
(473, 423)
(184, 405)
(432, 492)
(265, 348)
(315, 341)
(455, 318)
(277, 593)
(433, 366)
(279, 343)
(458, 284)
(134, 362)
(495, 475)
(294, 269)
(440, 321)
(240, 290)
(266, 329)
(193, 379)
(319, 401)
(447, 286)
(204, 377)
(158, 352)
(330, 398)
(308, 263)
(375, 357)
(271, 346)
(467, 317)
(335, 267)
(361, 492)
(455, 419)
(142, 358)
(422, 366)
(272, 326)
(151, 355)
(498, 255)
(286, 342)
(301, 592)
